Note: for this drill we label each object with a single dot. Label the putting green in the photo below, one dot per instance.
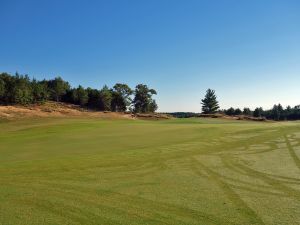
(179, 171)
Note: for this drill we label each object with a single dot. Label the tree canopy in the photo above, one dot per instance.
(20, 89)
(210, 103)
(58, 87)
(143, 101)
(121, 97)
(105, 98)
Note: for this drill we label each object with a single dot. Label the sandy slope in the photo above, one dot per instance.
(54, 109)
(58, 109)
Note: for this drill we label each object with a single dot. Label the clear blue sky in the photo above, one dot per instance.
(248, 51)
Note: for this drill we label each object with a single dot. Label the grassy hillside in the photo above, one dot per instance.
(179, 171)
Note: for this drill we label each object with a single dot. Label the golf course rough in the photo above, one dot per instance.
(133, 172)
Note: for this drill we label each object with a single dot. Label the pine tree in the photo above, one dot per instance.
(247, 111)
(258, 112)
(58, 87)
(210, 103)
(230, 111)
(105, 99)
(143, 101)
(2, 89)
(82, 96)
(121, 97)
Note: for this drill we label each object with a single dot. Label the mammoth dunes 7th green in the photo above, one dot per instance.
(122, 171)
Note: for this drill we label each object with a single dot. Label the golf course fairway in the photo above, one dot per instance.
(133, 172)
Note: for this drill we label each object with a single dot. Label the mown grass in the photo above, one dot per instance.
(181, 171)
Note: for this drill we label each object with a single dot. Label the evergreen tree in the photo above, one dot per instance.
(288, 112)
(258, 112)
(94, 96)
(77, 96)
(276, 112)
(70, 96)
(2, 90)
(121, 97)
(39, 91)
(247, 112)
(230, 111)
(143, 99)
(237, 111)
(22, 90)
(281, 111)
(9, 83)
(152, 106)
(210, 103)
(105, 98)
(81, 96)
(58, 87)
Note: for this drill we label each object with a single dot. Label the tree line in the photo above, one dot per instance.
(276, 113)
(20, 89)
(210, 105)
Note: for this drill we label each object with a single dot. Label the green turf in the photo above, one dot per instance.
(181, 171)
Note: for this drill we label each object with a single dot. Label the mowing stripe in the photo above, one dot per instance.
(231, 194)
(292, 152)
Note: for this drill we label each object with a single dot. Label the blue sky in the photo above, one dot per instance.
(248, 51)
